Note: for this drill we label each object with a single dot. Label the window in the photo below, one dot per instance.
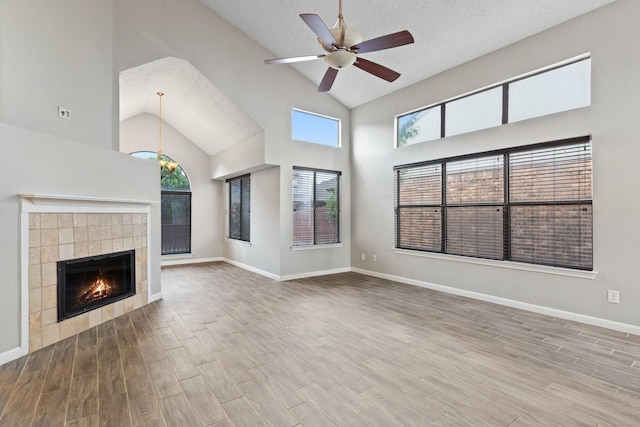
(557, 90)
(560, 88)
(240, 208)
(176, 222)
(175, 207)
(316, 207)
(420, 126)
(528, 204)
(309, 127)
(479, 111)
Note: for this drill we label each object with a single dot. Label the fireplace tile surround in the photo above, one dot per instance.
(59, 236)
(59, 228)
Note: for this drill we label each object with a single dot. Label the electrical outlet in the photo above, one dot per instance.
(613, 297)
(374, 258)
(363, 256)
(64, 113)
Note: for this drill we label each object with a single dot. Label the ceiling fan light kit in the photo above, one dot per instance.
(340, 59)
(343, 45)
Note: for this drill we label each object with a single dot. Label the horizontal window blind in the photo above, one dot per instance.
(176, 222)
(475, 199)
(527, 204)
(240, 208)
(418, 211)
(551, 215)
(316, 207)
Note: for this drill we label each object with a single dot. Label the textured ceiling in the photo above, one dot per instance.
(447, 33)
(191, 104)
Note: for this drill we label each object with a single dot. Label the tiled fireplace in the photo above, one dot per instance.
(59, 229)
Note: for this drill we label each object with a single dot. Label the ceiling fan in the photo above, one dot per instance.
(342, 45)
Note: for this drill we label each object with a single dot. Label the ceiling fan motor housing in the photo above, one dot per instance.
(350, 37)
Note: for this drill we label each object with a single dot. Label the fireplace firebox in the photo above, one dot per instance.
(87, 283)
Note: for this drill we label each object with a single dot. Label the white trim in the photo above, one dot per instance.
(289, 277)
(567, 315)
(155, 297)
(237, 242)
(581, 274)
(252, 269)
(24, 283)
(187, 260)
(56, 199)
(316, 246)
(12, 354)
(315, 273)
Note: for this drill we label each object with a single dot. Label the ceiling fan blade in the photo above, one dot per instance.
(400, 38)
(292, 59)
(327, 80)
(319, 27)
(377, 70)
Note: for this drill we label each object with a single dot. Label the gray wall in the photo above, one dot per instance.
(610, 34)
(59, 54)
(267, 94)
(45, 154)
(139, 133)
(34, 162)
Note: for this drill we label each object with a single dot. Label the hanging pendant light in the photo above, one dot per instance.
(166, 166)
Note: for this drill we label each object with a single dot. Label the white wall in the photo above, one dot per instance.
(140, 133)
(611, 35)
(146, 30)
(261, 254)
(2, 62)
(58, 54)
(38, 163)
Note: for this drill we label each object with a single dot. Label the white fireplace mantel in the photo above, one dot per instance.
(34, 202)
(37, 203)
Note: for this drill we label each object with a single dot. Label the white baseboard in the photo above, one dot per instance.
(289, 277)
(567, 315)
(155, 297)
(12, 354)
(315, 274)
(252, 269)
(184, 261)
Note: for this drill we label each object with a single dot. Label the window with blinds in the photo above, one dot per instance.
(175, 207)
(527, 204)
(240, 208)
(316, 207)
(175, 211)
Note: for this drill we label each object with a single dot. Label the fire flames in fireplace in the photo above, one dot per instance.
(97, 290)
(91, 282)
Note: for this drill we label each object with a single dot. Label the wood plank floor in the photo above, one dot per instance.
(226, 347)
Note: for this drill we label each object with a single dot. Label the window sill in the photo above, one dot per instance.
(238, 242)
(172, 256)
(311, 247)
(504, 264)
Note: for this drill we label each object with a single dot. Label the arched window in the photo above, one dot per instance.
(175, 200)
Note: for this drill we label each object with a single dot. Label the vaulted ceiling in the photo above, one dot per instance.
(447, 33)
